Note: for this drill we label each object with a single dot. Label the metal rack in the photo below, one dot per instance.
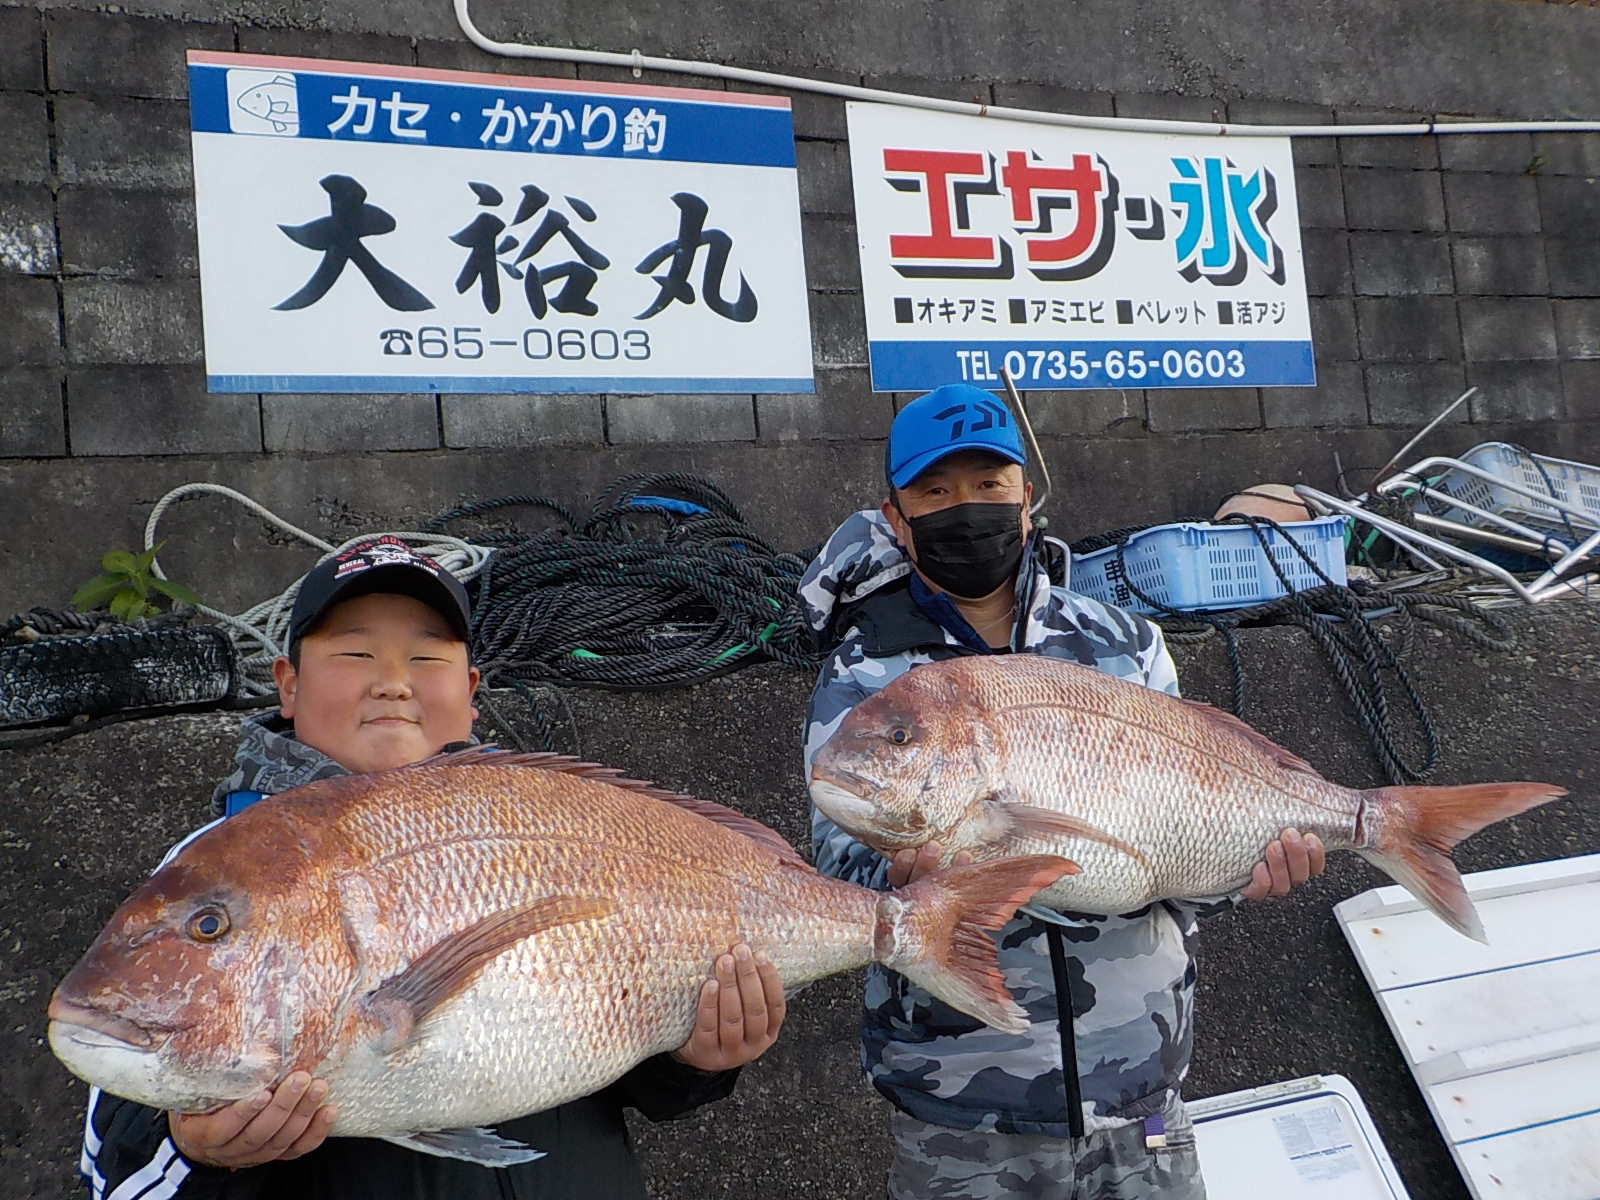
(1429, 549)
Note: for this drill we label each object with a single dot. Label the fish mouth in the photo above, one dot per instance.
(848, 781)
(839, 795)
(95, 1027)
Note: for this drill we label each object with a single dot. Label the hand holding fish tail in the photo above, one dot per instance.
(281, 1124)
(1289, 861)
(741, 1010)
(911, 864)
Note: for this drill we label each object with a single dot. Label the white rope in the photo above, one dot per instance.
(260, 633)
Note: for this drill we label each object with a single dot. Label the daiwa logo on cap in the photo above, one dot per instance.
(990, 415)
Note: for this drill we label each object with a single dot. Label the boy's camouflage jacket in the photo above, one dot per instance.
(1132, 976)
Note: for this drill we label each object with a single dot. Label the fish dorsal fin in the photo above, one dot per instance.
(721, 814)
(1010, 819)
(443, 970)
(739, 823)
(1280, 757)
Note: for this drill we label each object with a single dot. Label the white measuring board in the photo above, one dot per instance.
(1308, 1139)
(1503, 1039)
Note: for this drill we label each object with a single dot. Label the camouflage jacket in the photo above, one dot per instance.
(270, 760)
(1131, 976)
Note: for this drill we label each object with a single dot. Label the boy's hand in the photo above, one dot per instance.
(911, 865)
(1290, 860)
(285, 1123)
(741, 1008)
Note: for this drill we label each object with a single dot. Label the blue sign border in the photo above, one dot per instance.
(531, 385)
(696, 130)
(915, 366)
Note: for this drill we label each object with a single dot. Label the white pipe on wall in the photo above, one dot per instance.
(643, 62)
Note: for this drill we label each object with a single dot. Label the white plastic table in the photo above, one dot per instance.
(1503, 1039)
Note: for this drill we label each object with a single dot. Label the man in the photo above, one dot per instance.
(951, 565)
(378, 675)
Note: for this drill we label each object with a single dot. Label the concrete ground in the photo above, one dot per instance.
(1280, 995)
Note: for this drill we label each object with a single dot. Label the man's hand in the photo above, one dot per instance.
(911, 865)
(285, 1123)
(741, 1008)
(1290, 860)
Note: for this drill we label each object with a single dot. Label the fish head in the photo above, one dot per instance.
(256, 102)
(192, 996)
(907, 766)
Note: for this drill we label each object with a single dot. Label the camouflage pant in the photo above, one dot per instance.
(935, 1163)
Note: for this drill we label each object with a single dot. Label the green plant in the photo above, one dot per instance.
(129, 588)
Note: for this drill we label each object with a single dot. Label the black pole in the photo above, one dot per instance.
(1069, 1051)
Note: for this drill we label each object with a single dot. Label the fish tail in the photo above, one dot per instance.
(1408, 832)
(936, 931)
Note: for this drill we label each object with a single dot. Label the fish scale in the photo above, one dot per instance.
(1154, 797)
(485, 935)
(571, 980)
(1066, 739)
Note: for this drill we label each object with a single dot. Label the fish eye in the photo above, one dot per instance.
(899, 735)
(207, 925)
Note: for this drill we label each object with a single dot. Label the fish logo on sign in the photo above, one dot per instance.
(263, 102)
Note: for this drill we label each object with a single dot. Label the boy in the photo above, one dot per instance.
(378, 676)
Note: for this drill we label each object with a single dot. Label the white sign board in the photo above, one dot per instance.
(1075, 258)
(371, 228)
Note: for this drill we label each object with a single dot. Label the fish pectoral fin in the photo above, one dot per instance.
(404, 1001)
(482, 1146)
(1048, 915)
(1012, 819)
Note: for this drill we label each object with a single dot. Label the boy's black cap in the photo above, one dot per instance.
(384, 564)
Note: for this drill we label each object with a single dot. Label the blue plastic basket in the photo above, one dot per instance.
(1574, 484)
(1199, 568)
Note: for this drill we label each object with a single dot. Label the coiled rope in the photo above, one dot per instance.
(663, 584)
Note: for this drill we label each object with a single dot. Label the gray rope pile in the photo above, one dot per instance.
(663, 584)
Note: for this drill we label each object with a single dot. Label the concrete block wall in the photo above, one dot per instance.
(1433, 263)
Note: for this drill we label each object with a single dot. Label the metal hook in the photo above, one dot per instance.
(1339, 478)
(1020, 411)
(1379, 474)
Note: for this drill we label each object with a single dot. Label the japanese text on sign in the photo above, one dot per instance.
(1075, 258)
(377, 229)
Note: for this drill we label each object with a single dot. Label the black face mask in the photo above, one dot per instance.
(969, 549)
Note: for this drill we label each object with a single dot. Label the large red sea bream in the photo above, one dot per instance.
(478, 937)
(1154, 797)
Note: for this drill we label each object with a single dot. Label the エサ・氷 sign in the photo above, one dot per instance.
(1075, 258)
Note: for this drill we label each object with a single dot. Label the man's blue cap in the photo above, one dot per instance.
(954, 417)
